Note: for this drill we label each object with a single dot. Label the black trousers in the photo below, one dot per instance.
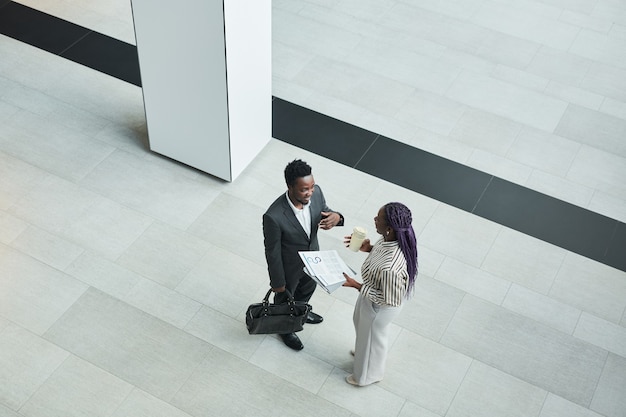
(302, 290)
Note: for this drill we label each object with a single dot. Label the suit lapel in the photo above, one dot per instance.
(291, 218)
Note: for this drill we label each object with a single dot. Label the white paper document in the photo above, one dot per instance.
(326, 268)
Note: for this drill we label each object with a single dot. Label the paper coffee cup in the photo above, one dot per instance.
(358, 236)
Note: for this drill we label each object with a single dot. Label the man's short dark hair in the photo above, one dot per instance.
(296, 169)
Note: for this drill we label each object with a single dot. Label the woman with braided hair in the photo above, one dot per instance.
(388, 274)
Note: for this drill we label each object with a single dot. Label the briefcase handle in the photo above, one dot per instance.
(290, 299)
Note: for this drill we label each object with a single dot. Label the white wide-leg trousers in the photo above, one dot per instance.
(371, 322)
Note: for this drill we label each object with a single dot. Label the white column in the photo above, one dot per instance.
(206, 77)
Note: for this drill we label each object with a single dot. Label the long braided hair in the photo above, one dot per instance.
(399, 218)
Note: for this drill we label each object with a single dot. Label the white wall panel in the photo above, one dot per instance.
(206, 76)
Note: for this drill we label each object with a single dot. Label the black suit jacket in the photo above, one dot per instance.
(284, 237)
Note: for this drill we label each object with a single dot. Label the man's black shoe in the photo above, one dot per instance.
(292, 340)
(313, 318)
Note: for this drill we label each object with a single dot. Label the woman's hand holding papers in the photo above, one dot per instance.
(351, 282)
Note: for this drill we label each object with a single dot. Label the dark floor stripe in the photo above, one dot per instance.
(108, 55)
(76, 43)
(560, 223)
(39, 29)
(547, 218)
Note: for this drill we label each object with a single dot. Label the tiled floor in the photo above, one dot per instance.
(124, 275)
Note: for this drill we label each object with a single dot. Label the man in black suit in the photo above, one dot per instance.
(290, 225)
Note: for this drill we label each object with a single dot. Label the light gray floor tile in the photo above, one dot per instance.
(429, 261)
(507, 100)
(10, 227)
(46, 204)
(486, 391)
(455, 9)
(224, 281)
(288, 61)
(276, 358)
(133, 139)
(16, 179)
(414, 68)
(26, 362)
(600, 47)
(370, 401)
(416, 21)
(122, 104)
(227, 333)
(500, 48)
(614, 107)
(542, 308)
(152, 188)
(307, 35)
(599, 332)
(243, 237)
(490, 53)
(459, 235)
(332, 340)
(600, 170)
(164, 254)
(225, 385)
(608, 9)
(526, 25)
(47, 247)
(473, 280)
(53, 147)
(457, 34)
(431, 112)
(556, 406)
(606, 80)
(142, 404)
(412, 410)
(350, 84)
(528, 350)
(162, 302)
(6, 412)
(520, 77)
(559, 65)
(129, 343)
(592, 287)
(103, 274)
(77, 388)
(575, 95)
(108, 228)
(610, 396)
(548, 9)
(424, 372)
(586, 21)
(29, 66)
(430, 309)
(594, 129)
(486, 131)
(52, 111)
(524, 260)
(541, 150)
(34, 295)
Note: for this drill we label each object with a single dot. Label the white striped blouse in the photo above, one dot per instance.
(385, 274)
